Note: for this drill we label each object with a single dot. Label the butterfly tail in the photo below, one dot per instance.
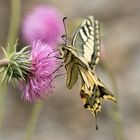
(92, 98)
(89, 104)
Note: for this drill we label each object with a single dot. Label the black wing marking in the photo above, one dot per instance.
(87, 41)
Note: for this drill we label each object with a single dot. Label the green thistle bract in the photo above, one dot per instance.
(19, 65)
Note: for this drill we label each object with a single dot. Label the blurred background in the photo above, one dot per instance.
(62, 116)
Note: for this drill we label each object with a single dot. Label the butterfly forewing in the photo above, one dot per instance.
(87, 41)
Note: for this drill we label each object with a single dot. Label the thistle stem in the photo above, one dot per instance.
(32, 121)
(12, 35)
(3, 91)
(14, 24)
(2, 105)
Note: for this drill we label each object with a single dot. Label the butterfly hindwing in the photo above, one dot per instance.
(91, 99)
(93, 91)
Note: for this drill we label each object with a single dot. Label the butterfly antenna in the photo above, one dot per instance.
(54, 51)
(64, 37)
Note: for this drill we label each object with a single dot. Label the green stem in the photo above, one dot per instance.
(32, 121)
(115, 112)
(12, 35)
(2, 104)
(14, 24)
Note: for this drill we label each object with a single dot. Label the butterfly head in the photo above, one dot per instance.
(63, 50)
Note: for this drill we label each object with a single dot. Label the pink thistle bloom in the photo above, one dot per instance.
(44, 65)
(43, 23)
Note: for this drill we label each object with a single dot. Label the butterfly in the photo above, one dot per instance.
(80, 59)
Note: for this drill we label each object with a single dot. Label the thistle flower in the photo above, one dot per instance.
(16, 65)
(43, 23)
(44, 64)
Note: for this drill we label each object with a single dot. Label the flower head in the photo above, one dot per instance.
(43, 23)
(16, 64)
(44, 64)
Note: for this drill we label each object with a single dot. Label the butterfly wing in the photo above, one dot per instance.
(72, 74)
(93, 91)
(68, 54)
(87, 44)
(87, 41)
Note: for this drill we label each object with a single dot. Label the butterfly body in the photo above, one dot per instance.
(80, 59)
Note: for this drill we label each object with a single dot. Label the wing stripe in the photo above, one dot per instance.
(87, 44)
(87, 41)
(90, 28)
(86, 30)
(91, 33)
(91, 19)
(88, 22)
(83, 35)
(91, 42)
(87, 54)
